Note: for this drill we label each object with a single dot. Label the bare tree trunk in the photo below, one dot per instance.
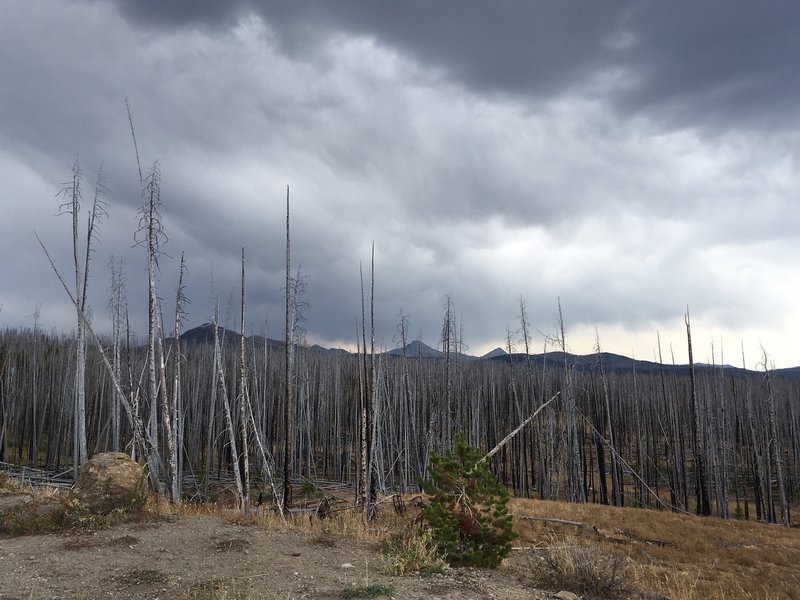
(616, 484)
(701, 487)
(212, 411)
(228, 417)
(166, 413)
(287, 395)
(365, 398)
(373, 399)
(177, 407)
(81, 259)
(447, 328)
(775, 445)
(574, 484)
(151, 226)
(117, 287)
(243, 400)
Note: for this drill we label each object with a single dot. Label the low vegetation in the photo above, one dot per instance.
(415, 552)
(26, 510)
(677, 556)
(468, 508)
(581, 569)
(591, 550)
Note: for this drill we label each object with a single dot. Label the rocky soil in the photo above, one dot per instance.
(212, 557)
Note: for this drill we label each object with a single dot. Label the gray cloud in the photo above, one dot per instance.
(625, 158)
(715, 65)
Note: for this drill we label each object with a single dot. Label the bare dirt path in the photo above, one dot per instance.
(210, 557)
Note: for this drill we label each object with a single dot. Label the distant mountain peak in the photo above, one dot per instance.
(496, 353)
(416, 349)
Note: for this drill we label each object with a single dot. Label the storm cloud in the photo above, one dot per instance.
(629, 158)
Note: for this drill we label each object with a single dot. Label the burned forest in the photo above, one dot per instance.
(215, 411)
(214, 407)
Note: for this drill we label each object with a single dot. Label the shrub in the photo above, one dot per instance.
(584, 571)
(77, 516)
(468, 508)
(8, 483)
(415, 553)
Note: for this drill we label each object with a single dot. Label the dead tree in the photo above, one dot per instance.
(700, 484)
(81, 255)
(287, 391)
(243, 400)
(118, 309)
(616, 472)
(775, 444)
(150, 227)
(176, 449)
(576, 492)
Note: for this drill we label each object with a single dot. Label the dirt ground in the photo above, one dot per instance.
(211, 557)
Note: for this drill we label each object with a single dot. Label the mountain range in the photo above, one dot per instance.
(204, 334)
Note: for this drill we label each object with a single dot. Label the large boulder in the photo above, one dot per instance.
(110, 481)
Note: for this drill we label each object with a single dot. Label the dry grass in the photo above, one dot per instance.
(680, 556)
(344, 522)
(43, 509)
(415, 552)
(585, 570)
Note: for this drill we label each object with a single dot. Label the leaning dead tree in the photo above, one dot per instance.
(133, 419)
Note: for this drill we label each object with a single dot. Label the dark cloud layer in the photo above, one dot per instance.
(628, 157)
(716, 64)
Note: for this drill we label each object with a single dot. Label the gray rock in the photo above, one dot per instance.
(564, 595)
(110, 481)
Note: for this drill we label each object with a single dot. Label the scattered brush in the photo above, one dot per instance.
(415, 553)
(669, 554)
(8, 484)
(44, 510)
(582, 570)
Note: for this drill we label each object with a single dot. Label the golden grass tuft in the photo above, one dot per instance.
(415, 552)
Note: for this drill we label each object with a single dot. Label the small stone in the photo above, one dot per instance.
(564, 595)
(348, 566)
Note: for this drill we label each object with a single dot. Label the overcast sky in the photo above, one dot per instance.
(631, 158)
